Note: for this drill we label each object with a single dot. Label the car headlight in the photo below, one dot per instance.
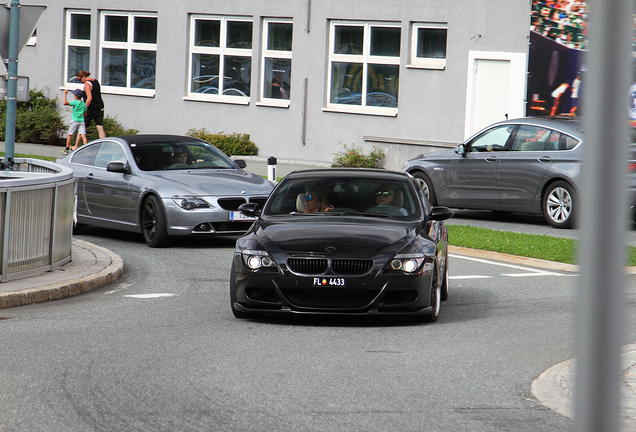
(410, 263)
(255, 260)
(189, 202)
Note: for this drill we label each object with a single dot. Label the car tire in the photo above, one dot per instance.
(427, 186)
(153, 223)
(560, 205)
(436, 302)
(444, 288)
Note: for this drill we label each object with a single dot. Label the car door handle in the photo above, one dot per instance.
(491, 159)
(544, 159)
(89, 176)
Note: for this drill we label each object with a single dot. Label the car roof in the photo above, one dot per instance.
(361, 173)
(150, 138)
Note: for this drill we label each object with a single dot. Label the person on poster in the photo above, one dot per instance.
(557, 94)
(574, 97)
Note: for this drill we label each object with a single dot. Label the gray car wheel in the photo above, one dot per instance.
(427, 186)
(153, 223)
(560, 205)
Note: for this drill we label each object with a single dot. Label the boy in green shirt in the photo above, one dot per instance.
(79, 107)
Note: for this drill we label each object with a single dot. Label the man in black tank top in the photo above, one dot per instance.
(94, 102)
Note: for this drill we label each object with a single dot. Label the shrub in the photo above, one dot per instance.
(111, 128)
(37, 120)
(231, 145)
(353, 157)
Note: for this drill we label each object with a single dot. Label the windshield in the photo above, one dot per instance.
(343, 196)
(179, 156)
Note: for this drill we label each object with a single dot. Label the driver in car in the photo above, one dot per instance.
(384, 196)
(179, 157)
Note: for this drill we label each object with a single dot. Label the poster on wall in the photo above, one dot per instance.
(556, 68)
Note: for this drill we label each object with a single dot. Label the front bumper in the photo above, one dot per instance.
(275, 292)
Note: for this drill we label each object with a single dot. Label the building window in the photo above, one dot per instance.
(78, 44)
(428, 46)
(364, 67)
(128, 53)
(277, 60)
(220, 47)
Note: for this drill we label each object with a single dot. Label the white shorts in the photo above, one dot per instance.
(75, 125)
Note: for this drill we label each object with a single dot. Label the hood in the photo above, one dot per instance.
(444, 154)
(316, 236)
(217, 182)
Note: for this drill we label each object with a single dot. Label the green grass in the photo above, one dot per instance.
(527, 245)
(47, 158)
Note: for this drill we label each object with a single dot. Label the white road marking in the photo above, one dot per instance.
(149, 296)
(470, 277)
(121, 286)
(529, 271)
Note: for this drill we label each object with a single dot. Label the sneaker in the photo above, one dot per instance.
(66, 151)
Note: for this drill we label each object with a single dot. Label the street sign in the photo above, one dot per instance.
(29, 18)
(23, 88)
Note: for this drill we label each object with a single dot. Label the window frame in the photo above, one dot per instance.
(365, 59)
(222, 51)
(69, 42)
(130, 45)
(426, 62)
(267, 54)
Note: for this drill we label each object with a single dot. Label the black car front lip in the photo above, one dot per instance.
(285, 310)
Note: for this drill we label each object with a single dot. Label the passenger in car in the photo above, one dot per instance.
(315, 202)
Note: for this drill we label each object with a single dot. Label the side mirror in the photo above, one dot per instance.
(241, 163)
(250, 209)
(440, 213)
(460, 149)
(119, 167)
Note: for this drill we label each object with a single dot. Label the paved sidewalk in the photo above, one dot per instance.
(554, 388)
(92, 267)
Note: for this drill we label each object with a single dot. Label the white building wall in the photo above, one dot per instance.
(432, 103)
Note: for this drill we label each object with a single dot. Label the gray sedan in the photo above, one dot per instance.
(163, 186)
(527, 165)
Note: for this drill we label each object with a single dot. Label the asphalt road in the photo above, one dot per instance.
(159, 350)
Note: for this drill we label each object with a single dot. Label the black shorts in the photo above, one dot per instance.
(97, 115)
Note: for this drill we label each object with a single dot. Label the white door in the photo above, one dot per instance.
(491, 102)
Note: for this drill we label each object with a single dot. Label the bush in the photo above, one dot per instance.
(231, 145)
(111, 128)
(37, 121)
(353, 157)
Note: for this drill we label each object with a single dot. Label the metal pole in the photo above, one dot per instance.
(603, 219)
(12, 84)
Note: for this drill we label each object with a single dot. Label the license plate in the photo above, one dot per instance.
(238, 216)
(329, 282)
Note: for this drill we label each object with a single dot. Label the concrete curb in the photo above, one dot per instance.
(67, 288)
(555, 389)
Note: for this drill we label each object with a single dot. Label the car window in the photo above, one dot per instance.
(568, 142)
(491, 140)
(179, 155)
(395, 197)
(535, 138)
(109, 152)
(85, 155)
